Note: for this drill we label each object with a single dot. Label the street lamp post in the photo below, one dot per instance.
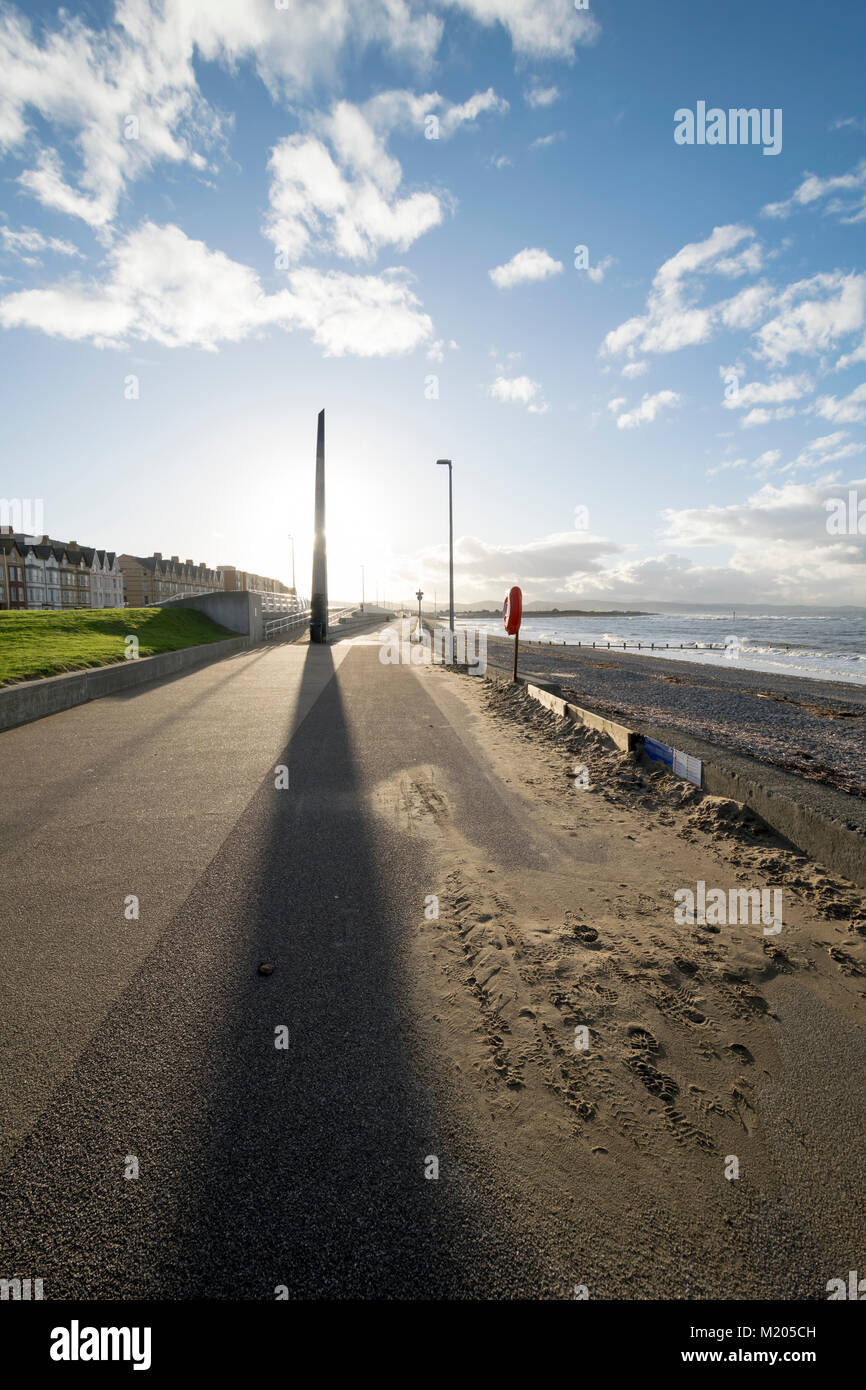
(447, 463)
(419, 596)
(292, 539)
(362, 588)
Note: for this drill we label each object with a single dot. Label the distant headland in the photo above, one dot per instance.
(559, 613)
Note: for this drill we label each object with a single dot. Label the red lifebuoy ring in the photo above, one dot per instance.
(512, 610)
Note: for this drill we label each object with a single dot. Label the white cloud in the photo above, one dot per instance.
(527, 266)
(807, 317)
(596, 272)
(337, 188)
(537, 28)
(166, 288)
(778, 551)
(544, 565)
(537, 96)
(648, 409)
(520, 390)
(314, 206)
(780, 542)
(845, 410)
(28, 242)
(764, 463)
(436, 351)
(616, 404)
(745, 309)
(467, 114)
(633, 369)
(829, 448)
(812, 315)
(544, 140)
(87, 84)
(849, 359)
(673, 320)
(762, 416)
(846, 195)
(789, 388)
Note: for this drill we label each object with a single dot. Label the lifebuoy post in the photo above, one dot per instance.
(512, 612)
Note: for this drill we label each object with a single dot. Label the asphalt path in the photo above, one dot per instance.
(302, 1168)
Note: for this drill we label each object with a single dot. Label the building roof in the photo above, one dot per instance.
(59, 549)
(157, 565)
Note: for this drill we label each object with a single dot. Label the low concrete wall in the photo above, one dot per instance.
(623, 738)
(819, 820)
(239, 611)
(29, 700)
(837, 842)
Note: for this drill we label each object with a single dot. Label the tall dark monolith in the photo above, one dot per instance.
(319, 599)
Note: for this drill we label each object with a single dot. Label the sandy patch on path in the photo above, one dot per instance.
(690, 1029)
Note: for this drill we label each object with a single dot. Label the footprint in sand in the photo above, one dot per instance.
(656, 1082)
(585, 933)
(640, 1037)
(847, 964)
(743, 1106)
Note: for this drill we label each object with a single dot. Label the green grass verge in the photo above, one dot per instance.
(46, 643)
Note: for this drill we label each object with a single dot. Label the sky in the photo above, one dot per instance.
(468, 229)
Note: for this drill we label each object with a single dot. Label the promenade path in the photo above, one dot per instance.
(412, 1040)
(155, 1038)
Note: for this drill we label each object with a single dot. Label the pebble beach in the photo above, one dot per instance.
(812, 727)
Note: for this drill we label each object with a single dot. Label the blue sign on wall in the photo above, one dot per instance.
(659, 752)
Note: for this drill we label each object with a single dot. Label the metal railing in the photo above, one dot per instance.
(297, 614)
(280, 603)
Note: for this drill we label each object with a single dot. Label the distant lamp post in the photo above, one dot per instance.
(362, 588)
(419, 596)
(446, 463)
(292, 539)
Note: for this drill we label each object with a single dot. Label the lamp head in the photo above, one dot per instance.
(446, 462)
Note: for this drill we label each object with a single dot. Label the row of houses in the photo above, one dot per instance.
(38, 572)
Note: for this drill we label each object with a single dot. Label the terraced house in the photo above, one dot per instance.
(13, 582)
(149, 579)
(253, 583)
(39, 572)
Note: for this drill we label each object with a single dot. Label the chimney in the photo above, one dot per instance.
(175, 560)
(157, 555)
(187, 562)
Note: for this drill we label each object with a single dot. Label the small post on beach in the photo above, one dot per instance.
(514, 674)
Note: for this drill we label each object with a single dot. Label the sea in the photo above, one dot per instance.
(823, 646)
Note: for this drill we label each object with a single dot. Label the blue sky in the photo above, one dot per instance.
(220, 215)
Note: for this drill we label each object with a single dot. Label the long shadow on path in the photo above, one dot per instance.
(263, 1167)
